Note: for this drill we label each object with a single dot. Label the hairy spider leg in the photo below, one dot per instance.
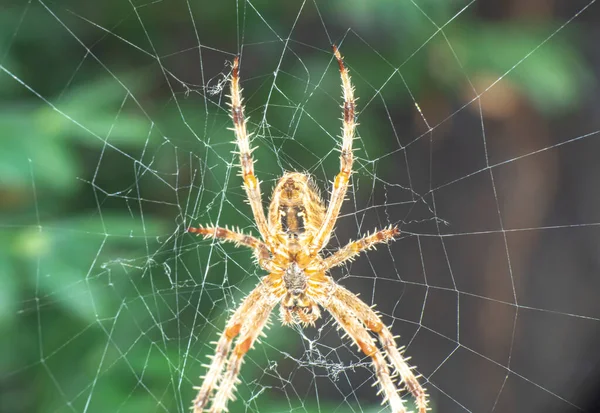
(224, 234)
(241, 322)
(340, 184)
(352, 249)
(372, 321)
(231, 331)
(252, 328)
(251, 183)
(359, 334)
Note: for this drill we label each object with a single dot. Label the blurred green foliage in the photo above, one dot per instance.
(105, 155)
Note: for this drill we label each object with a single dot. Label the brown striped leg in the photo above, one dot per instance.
(351, 250)
(251, 183)
(236, 323)
(359, 334)
(372, 321)
(224, 234)
(340, 184)
(254, 323)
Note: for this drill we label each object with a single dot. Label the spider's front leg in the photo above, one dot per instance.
(340, 184)
(251, 183)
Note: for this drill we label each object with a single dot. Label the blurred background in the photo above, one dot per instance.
(479, 137)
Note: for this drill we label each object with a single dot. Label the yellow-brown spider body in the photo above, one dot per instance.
(296, 211)
(294, 233)
(295, 215)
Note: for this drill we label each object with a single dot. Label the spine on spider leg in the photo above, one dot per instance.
(239, 123)
(255, 321)
(373, 323)
(351, 250)
(386, 386)
(340, 183)
(356, 331)
(402, 367)
(349, 113)
(348, 126)
(371, 240)
(228, 384)
(251, 183)
(214, 372)
(217, 365)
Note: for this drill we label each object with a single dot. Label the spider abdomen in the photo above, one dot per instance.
(296, 211)
(292, 219)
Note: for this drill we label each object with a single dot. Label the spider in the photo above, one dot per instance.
(295, 230)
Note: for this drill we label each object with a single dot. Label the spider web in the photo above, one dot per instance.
(478, 137)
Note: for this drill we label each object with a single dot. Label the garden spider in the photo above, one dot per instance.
(296, 229)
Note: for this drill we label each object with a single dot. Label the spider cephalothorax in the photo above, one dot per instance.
(297, 306)
(297, 228)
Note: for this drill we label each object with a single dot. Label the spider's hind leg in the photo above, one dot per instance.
(359, 334)
(247, 322)
(372, 321)
(223, 347)
(254, 323)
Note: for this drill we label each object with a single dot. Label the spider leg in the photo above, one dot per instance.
(351, 250)
(224, 234)
(340, 184)
(251, 184)
(254, 323)
(239, 321)
(353, 304)
(359, 334)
